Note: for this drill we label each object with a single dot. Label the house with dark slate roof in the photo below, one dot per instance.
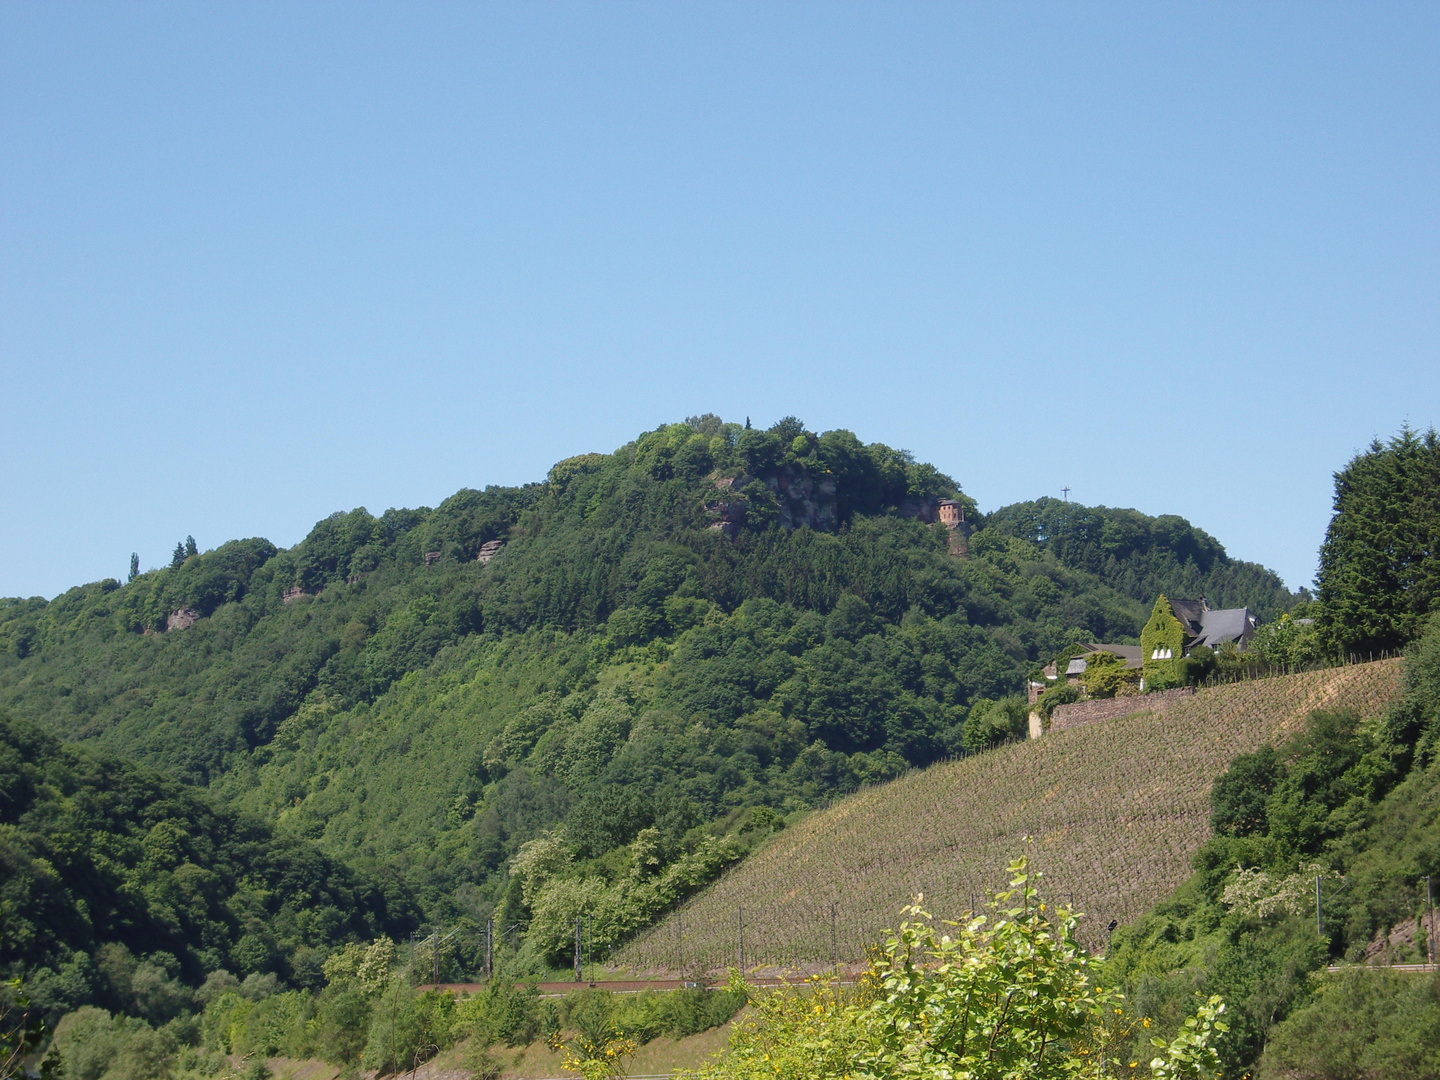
(1204, 626)
(1163, 642)
(1178, 627)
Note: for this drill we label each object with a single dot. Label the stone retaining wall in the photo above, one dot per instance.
(1088, 712)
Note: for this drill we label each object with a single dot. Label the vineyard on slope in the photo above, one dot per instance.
(1116, 810)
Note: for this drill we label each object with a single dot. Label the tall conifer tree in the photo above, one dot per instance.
(1380, 563)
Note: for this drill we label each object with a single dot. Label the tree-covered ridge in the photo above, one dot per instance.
(93, 663)
(121, 887)
(623, 671)
(606, 542)
(1143, 556)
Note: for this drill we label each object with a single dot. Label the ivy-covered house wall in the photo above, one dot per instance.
(1162, 644)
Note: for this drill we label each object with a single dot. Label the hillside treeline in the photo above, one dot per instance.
(1143, 557)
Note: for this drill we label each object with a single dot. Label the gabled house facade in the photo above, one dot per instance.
(1177, 627)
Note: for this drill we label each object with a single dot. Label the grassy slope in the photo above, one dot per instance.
(1117, 810)
(659, 1057)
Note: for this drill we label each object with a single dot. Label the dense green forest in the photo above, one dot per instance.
(679, 644)
(1142, 556)
(122, 887)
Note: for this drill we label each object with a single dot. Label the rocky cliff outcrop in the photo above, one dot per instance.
(182, 618)
(795, 497)
(800, 498)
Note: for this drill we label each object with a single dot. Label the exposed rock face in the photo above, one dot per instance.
(729, 514)
(806, 499)
(927, 510)
(801, 499)
(182, 618)
(1406, 941)
(291, 594)
(489, 550)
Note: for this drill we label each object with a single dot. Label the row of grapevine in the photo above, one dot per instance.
(1113, 813)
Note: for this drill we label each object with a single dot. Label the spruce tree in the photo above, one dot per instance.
(1380, 563)
(177, 557)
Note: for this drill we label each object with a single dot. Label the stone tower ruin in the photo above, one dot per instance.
(952, 516)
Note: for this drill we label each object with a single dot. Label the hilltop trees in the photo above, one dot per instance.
(1141, 555)
(1380, 563)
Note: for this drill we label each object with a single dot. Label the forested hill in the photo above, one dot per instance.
(1143, 556)
(709, 619)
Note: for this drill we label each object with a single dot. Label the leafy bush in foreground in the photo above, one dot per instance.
(980, 999)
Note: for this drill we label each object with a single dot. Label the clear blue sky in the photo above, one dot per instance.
(262, 262)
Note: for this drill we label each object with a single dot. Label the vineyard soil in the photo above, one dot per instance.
(1115, 811)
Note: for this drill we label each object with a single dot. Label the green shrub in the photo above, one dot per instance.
(992, 722)
(1286, 642)
(1053, 698)
(1365, 1024)
(342, 1018)
(92, 1044)
(1006, 996)
(502, 1013)
(676, 1014)
(407, 1029)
